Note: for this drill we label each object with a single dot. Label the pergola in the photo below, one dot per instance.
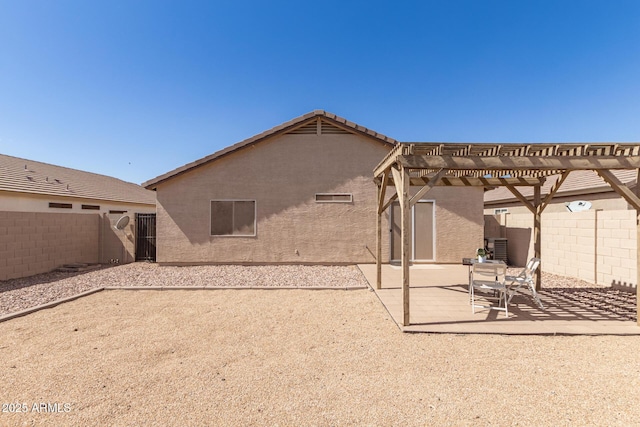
(426, 165)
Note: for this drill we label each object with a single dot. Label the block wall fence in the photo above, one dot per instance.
(595, 246)
(33, 243)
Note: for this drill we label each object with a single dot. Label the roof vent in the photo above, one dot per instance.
(311, 128)
(308, 129)
(328, 128)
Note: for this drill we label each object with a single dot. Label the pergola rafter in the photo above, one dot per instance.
(427, 165)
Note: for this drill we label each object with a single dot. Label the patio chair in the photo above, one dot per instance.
(489, 277)
(523, 280)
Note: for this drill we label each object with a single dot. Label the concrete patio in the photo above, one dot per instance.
(439, 303)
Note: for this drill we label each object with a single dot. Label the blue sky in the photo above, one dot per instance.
(133, 89)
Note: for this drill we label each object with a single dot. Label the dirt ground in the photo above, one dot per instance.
(296, 357)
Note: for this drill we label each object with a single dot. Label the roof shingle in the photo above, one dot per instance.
(29, 176)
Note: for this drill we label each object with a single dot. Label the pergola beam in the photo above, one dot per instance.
(383, 190)
(391, 200)
(489, 182)
(523, 163)
(554, 190)
(397, 182)
(495, 165)
(466, 181)
(522, 199)
(433, 181)
(620, 188)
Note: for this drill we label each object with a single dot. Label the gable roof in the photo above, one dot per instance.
(28, 176)
(304, 124)
(578, 182)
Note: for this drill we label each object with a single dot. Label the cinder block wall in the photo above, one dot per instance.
(33, 243)
(595, 246)
(617, 248)
(569, 245)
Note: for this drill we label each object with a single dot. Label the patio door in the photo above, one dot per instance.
(422, 231)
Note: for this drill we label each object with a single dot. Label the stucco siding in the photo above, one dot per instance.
(283, 174)
(459, 222)
(28, 202)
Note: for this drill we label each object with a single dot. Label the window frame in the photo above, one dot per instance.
(255, 217)
(350, 195)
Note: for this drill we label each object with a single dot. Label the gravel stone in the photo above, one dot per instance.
(20, 294)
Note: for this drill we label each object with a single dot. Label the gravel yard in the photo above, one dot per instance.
(294, 357)
(20, 294)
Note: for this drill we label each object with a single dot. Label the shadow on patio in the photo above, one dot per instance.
(439, 303)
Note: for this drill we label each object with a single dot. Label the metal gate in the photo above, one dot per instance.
(145, 237)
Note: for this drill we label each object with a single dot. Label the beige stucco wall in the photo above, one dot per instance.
(459, 222)
(25, 202)
(283, 174)
(596, 246)
(32, 243)
(117, 246)
(608, 201)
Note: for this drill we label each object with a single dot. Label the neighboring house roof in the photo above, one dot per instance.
(577, 183)
(302, 125)
(28, 176)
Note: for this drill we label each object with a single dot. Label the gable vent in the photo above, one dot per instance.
(328, 128)
(311, 128)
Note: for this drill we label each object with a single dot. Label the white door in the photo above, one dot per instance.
(421, 229)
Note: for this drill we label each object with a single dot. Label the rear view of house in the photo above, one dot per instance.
(302, 192)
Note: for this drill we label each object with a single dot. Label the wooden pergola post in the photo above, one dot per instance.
(405, 212)
(379, 238)
(537, 232)
(637, 193)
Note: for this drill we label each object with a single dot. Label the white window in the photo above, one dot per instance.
(500, 210)
(334, 197)
(233, 217)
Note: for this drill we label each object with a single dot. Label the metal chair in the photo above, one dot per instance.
(525, 280)
(489, 277)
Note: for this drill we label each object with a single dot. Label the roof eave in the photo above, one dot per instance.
(152, 184)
